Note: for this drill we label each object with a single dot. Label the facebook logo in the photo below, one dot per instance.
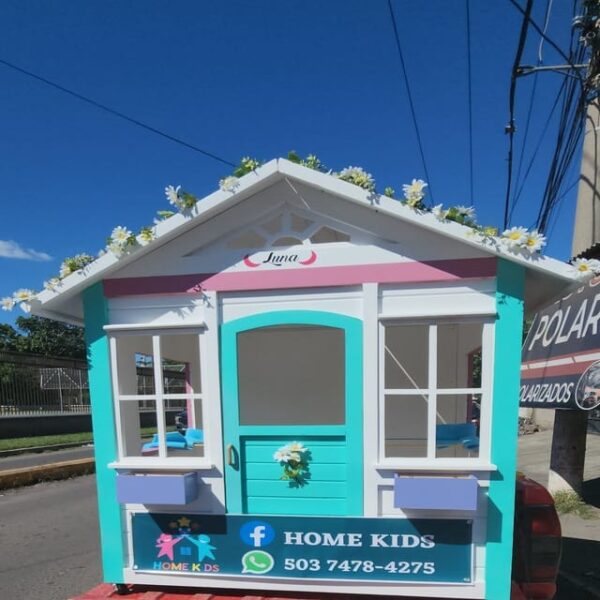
(257, 534)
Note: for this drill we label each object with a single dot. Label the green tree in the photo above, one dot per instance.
(36, 335)
(8, 338)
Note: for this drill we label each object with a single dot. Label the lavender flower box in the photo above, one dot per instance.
(435, 493)
(157, 488)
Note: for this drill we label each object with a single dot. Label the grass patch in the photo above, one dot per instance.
(568, 502)
(64, 438)
(45, 440)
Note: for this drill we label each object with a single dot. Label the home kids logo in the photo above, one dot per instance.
(279, 259)
(185, 549)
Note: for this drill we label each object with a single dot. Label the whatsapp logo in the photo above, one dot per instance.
(257, 562)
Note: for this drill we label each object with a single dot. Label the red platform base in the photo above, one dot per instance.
(148, 592)
(139, 592)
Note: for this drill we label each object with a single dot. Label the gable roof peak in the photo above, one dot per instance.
(48, 302)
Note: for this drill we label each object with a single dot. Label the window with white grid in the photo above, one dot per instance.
(434, 389)
(159, 401)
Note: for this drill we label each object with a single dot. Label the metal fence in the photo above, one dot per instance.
(33, 385)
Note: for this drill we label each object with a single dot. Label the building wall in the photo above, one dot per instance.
(369, 303)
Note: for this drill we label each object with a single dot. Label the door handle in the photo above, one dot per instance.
(230, 459)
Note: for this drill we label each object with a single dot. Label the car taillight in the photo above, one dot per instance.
(542, 527)
(537, 549)
(543, 521)
(538, 591)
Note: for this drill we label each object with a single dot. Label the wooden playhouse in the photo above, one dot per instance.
(300, 385)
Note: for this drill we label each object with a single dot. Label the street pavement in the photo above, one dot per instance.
(34, 459)
(49, 540)
(534, 457)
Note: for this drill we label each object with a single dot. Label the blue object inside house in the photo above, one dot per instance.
(193, 436)
(457, 433)
(175, 439)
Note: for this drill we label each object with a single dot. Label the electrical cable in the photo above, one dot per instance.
(571, 122)
(559, 206)
(510, 128)
(537, 148)
(410, 99)
(544, 36)
(573, 119)
(523, 145)
(564, 150)
(570, 130)
(470, 101)
(530, 109)
(116, 113)
(546, 23)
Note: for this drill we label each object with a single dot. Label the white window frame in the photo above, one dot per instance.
(162, 460)
(430, 461)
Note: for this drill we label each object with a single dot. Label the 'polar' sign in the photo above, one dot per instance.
(561, 355)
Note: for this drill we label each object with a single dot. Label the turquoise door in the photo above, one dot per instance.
(293, 376)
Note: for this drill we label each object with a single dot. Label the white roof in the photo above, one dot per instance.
(64, 303)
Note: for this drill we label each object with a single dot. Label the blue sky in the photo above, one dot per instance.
(251, 78)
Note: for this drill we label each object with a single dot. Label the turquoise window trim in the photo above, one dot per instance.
(507, 368)
(354, 402)
(287, 430)
(103, 422)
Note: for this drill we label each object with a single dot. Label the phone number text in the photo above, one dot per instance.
(359, 566)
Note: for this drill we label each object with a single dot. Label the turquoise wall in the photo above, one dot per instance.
(103, 422)
(505, 413)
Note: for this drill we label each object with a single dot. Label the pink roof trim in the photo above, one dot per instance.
(308, 277)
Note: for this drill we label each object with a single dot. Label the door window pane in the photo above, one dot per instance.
(291, 375)
(458, 344)
(406, 349)
(406, 426)
(457, 429)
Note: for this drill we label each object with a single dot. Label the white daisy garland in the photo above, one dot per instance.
(585, 268)
(122, 240)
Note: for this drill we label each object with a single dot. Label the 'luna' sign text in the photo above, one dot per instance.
(279, 259)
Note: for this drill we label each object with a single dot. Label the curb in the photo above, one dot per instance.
(38, 449)
(12, 478)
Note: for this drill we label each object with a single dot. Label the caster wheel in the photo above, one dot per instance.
(121, 589)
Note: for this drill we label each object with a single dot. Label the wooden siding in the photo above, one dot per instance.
(325, 491)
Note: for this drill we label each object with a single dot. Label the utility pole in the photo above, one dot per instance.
(586, 230)
(569, 437)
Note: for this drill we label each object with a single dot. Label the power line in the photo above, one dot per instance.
(530, 110)
(510, 128)
(572, 121)
(570, 129)
(536, 149)
(546, 23)
(470, 100)
(115, 113)
(524, 144)
(552, 43)
(560, 204)
(410, 100)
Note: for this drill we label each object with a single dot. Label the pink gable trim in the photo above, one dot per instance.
(405, 272)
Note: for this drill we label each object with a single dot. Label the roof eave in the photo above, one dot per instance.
(166, 230)
(49, 302)
(427, 220)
